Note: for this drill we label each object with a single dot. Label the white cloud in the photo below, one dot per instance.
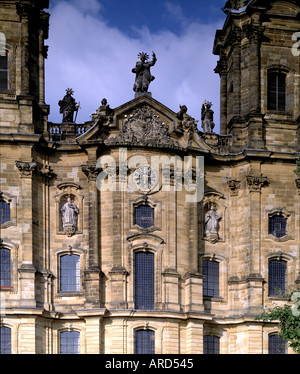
(96, 61)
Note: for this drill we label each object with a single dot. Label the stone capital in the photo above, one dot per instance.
(26, 168)
(255, 182)
(91, 171)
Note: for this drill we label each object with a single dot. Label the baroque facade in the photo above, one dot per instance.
(137, 231)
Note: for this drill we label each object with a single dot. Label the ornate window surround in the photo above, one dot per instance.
(13, 265)
(156, 205)
(12, 201)
(290, 224)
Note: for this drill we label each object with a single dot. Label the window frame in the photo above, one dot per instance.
(145, 200)
(215, 290)
(12, 202)
(272, 288)
(216, 340)
(150, 348)
(271, 106)
(276, 344)
(142, 288)
(78, 342)
(3, 286)
(5, 329)
(77, 277)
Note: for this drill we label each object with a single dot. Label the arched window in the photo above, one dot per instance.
(69, 342)
(211, 344)
(144, 341)
(3, 63)
(4, 212)
(70, 273)
(276, 91)
(5, 267)
(277, 277)
(211, 278)
(144, 216)
(277, 345)
(5, 340)
(277, 225)
(144, 280)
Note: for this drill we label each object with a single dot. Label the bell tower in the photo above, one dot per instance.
(23, 29)
(259, 72)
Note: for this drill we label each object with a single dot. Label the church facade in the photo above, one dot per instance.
(140, 231)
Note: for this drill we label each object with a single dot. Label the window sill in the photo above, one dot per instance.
(70, 294)
(6, 288)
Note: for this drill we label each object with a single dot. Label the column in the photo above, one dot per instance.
(194, 337)
(27, 269)
(93, 273)
(221, 69)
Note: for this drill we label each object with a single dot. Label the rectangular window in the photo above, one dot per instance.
(144, 216)
(69, 342)
(211, 344)
(277, 277)
(277, 226)
(5, 268)
(3, 70)
(5, 340)
(4, 212)
(70, 273)
(211, 278)
(277, 345)
(144, 280)
(144, 342)
(276, 91)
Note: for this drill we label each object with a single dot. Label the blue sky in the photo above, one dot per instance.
(93, 45)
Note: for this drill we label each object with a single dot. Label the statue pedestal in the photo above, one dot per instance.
(138, 94)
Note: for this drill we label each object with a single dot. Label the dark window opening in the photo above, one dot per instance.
(5, 340)
(4, 212)
(5, 269)
(211, 344)
(211, 278)
(276, 91)
(3, 70)
(144, 342)
(144, 280)
(70, 273)
(144, 216)
(277, 277)
(69, 342)
(277, 226)
(277, 345)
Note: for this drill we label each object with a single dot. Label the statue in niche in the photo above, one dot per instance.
(211, 222)
(207, 117)
(69, 214)
(142, 70)
(68, 106)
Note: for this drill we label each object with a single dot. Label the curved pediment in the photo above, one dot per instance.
(145, 122)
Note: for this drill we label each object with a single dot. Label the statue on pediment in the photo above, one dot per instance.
(188, 123)
(142, 71)
(68, 106)
(104, 114)
(207, 117)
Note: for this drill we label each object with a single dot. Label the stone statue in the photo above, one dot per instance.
(188, 123)
(69, 213)
(68, 106)
(207, 117)
(212, 221)
(142, 71)
(104, 114)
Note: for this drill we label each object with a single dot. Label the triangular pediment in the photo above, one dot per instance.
(145, 122)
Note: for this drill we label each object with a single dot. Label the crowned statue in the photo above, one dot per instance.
(142, 71)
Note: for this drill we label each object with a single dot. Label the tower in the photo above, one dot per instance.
(23, 29)
(259, 74)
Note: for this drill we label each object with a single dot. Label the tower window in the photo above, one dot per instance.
(277, 225)
(144, 280)
(211, 344)
(4, 212)
(5, 276)
(276, 91)
(277, 345)
(3, 70)
(5, 340)
(70, 273)
(144, 216)
(277, 277)
(69, 342)
(211, 278)
(144, 342)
